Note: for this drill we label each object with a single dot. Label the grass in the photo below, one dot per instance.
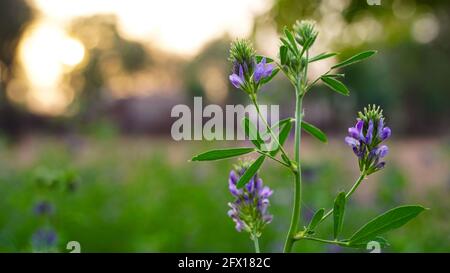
(141, 195)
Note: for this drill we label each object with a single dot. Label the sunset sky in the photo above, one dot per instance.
(175, 25)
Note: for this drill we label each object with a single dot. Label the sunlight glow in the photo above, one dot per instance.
(182, 27)
(46, 52)
(179, 26)
(425, 29)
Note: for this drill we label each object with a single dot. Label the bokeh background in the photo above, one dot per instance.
(86, 90)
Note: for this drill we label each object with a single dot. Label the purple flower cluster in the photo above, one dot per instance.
(44, 239)
(249, 209)
(365, 139)
(242, 71)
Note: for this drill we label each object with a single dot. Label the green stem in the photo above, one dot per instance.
(275, 159)
(298, 177)
(324, 241)
(349, 193)
(300, 87)
(256, 243)
(253, 98)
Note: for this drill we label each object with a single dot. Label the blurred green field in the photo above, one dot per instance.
(142, 195)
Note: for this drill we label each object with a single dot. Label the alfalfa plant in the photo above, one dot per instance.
(249, 209)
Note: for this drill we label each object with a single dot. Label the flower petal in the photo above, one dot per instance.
(383, 151)
(386, 133)
(353, 132)
(235, 80)
(369, 134)
(351, 142)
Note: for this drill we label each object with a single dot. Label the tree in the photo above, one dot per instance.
(15, 15)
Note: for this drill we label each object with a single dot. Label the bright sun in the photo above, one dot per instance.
(46, 52)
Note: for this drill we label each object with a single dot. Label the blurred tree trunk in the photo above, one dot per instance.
(14, 17)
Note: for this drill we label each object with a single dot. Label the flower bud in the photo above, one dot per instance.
(242, 55)
(246, 72)
(305, 32)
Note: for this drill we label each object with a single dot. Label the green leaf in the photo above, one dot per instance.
(250, 172)
(309, 43)
(314, 131)
(291, 40)
(259, 58)
(338, 213)
(316, 219)
(285, 158)
(251, 132)
(281, 123)
(355, 59)
(335, 85)
(293, 50)
(382, 241)
(321, 57)
(285, 129)
(335, 76)
(283, 54)
(222, 154)
(387, 221)
(285, 42)
(268, 79)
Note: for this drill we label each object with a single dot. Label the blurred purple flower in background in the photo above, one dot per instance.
(44, 239)
(43, 208)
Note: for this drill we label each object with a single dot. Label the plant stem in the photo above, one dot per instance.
(253, 98)
(300, 87)
(256, 243)
(275, 159)
(298, 177)
(349, 193)
(324, 241)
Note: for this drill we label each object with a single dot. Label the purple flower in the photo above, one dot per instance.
(356, 132)
(383, 132)
(369, 132)
(365, 138)
(380, 124)
(382, 151)
(353, 132)
(232, 184)
(237, 80)
(249, 210)
(243, 71)
(43, 208)
(43, 239)
(262, 70)
(380, 165)
(352, 142)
